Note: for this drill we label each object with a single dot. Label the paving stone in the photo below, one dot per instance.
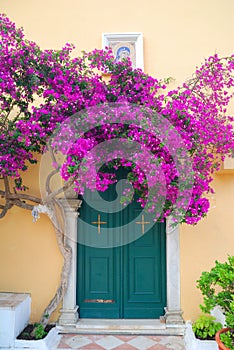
(158, 347)
(109, 342)
(63, 345)
(93, 346)
(77, 342)
(125, 346)
(125, 338)
(172, 342)
(142, 343)
(120, 342)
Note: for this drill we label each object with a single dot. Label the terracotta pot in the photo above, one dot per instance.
(218, 341)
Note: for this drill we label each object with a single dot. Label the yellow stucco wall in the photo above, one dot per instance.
(30, 261)
(211, 239)
(178, 35)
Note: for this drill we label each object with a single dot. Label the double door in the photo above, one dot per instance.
(121, 270)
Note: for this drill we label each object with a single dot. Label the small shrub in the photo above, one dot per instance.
(39, 331)
(227, 339)
(217, 287)
(205, 327)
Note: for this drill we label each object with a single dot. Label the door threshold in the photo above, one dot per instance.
(123, 326)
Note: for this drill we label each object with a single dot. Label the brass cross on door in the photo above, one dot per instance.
(99, 223)
(142, 223)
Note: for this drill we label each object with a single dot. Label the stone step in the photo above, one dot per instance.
(123, 326)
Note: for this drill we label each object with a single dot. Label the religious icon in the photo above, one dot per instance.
(122, 50)
(125, 45)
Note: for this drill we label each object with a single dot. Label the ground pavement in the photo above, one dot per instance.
(120, 342)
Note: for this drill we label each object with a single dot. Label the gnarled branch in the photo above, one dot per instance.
(24, 196)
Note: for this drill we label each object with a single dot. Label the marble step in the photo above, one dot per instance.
(123, 326)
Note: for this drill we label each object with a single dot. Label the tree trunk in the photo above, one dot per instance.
(67, 255)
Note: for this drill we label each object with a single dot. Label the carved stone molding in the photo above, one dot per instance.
(174, 317)
(69, 314)
(70, 205)
(173, 313)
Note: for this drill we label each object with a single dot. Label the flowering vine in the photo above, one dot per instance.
(197, 111)
(42, 90)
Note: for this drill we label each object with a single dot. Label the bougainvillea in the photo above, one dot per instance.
(64, 86)
(97, 111)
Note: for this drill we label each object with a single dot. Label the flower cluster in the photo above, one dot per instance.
(42, 90)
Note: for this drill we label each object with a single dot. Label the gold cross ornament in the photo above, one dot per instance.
(142, 223)
(99, 223)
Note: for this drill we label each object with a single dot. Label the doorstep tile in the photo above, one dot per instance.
(77, 342)
(155, 338)
(120, 342)
(125, 346)
(141, 342)
(125, 338)
(158, 347)
(109, 342)
(173, 342)
(93, 346)
(63, 345)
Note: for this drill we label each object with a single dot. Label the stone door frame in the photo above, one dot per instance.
(69, 312)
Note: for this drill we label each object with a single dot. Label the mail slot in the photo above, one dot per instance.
(99, 301)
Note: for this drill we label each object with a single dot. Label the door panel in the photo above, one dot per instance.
(144, 295)
(127, 281)
(98, 282)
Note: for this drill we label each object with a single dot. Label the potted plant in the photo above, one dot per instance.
(205, 327)
(37, 337)
(225, 337)
(217, 288)
(35, 331)
(200, 335)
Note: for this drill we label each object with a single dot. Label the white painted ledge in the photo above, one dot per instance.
(14, 316)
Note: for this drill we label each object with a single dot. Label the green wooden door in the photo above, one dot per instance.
(126, 281)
